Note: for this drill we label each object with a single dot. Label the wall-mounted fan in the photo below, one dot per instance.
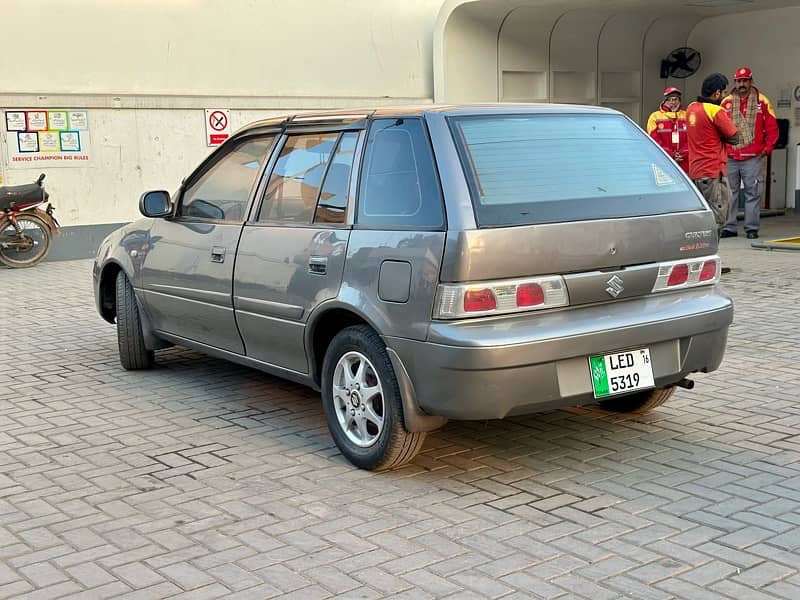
(680, 63)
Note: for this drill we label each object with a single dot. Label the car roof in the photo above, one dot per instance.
(350, 115)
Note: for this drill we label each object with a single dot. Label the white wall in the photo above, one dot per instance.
(619, 62)
(523, 54)
(146, 69)
(131, 151)
(220, 47)
(591, 53)
(573, 57)
(768, 43)
(470, 56)
(662, 36)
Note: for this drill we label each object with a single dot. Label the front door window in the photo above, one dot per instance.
(222, 191)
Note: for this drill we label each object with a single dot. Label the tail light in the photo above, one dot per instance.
(529, 294)
(709, 270)
(688, 273)
(456, 301)
(479, 300)
(678, 275)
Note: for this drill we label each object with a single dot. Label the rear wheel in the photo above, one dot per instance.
(639, 403)
(362, 403)
(27, 247)
(133, 354)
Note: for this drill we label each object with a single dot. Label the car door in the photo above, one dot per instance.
(188, 270)
(291, 255)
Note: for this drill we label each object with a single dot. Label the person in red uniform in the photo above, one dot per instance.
(753, 115)
(709, 128)
(667, 126)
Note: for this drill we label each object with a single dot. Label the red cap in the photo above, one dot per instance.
(743, 73)
(672, 90)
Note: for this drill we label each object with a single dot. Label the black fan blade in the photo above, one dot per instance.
(684, 62)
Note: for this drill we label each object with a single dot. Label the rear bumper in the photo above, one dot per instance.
(493, 368)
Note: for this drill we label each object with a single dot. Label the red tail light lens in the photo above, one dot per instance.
(530, 294)
(687, 273)
(679, 275)
(709, 271)
(501, 297)
(479, 300)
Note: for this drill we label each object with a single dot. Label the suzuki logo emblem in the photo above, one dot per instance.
(615, 287)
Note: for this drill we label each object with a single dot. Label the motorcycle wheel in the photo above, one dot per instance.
(30, 248)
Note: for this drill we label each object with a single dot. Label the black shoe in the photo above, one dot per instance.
(725, 233)
(726, 270)
(752, 235)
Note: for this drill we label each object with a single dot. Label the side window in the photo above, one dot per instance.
(333, 198)
(294, 184)
(399, 186)
(223, 190)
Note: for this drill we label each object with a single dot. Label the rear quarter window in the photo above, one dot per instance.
(539, 168)
(399, 187)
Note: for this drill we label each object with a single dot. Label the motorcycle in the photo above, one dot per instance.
(26, 230)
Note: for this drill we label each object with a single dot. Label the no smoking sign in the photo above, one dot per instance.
(218, 126)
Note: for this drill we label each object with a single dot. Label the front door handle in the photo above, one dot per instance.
(217, 254)
(318, 265)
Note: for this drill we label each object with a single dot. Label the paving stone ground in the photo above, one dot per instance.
(202, 479)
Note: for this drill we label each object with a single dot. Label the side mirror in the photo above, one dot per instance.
(155, 204)
(203, 209)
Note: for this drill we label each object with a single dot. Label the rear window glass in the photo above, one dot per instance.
(527, 169)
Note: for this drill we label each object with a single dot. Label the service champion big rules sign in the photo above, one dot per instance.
(47, 138)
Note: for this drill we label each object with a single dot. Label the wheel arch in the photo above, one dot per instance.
(330, 319)
(107, 291)
(107, 303)
(323, 325)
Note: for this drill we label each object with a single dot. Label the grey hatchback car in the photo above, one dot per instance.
(430, 263)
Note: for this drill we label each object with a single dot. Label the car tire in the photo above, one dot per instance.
(640, 403)
(133, 354)
(361, 399)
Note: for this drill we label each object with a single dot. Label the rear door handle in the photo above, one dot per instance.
(217, 254)
(318, 265)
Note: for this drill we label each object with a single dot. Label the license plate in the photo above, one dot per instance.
(621, 372)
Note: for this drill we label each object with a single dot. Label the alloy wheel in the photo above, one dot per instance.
(358, 399)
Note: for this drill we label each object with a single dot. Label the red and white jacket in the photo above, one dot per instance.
(668, 129)
(765, 134)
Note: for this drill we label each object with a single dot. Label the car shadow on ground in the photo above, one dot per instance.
(556, 445)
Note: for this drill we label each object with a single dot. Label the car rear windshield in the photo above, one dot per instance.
(535, 168)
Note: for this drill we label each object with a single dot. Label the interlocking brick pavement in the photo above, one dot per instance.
(202, 479)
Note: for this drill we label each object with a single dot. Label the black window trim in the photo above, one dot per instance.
(311, 127)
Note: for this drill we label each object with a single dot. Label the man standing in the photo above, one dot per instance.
(753, 115)
(709, 128)
(667, 126)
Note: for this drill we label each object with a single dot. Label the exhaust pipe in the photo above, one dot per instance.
(685, 383)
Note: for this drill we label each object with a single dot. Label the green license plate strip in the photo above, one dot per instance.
(621, 372)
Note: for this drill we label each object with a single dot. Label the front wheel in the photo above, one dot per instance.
(362, 403)
(26, 247)
(639, 403)
(133, 354)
